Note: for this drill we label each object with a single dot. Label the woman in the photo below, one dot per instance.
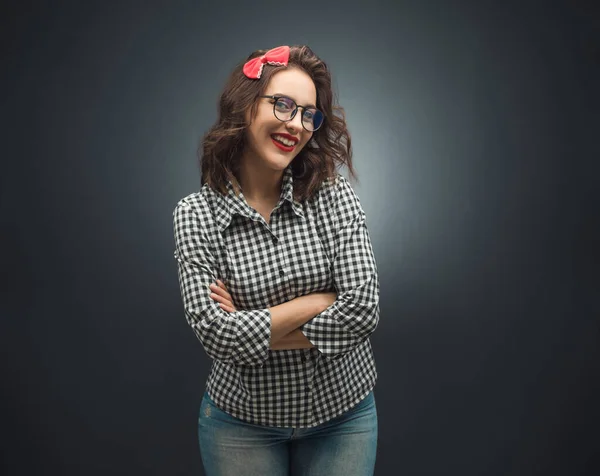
(279, 280)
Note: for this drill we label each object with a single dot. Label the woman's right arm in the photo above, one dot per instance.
(240, 338)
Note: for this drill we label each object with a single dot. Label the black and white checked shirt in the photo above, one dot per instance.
(321, 245)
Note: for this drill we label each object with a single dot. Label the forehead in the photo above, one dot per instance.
(295, 84)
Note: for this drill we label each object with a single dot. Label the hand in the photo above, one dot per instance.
(219, 293)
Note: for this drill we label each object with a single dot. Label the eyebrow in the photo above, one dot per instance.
(288, 96)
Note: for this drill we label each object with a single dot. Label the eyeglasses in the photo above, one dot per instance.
(285, 110)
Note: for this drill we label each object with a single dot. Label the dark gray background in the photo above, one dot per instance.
(475, 130)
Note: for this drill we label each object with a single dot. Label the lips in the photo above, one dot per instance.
(286, 136)
(284, 147)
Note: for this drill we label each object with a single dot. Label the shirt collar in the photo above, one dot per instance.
(231, 204)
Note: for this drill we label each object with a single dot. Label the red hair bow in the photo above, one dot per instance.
(276, 56)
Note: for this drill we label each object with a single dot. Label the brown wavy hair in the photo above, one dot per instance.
(328, 149)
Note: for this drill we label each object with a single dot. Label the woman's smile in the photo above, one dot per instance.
(283, 143)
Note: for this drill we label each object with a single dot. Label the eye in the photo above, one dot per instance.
(284, 104)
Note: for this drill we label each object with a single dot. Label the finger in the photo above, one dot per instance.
(222, 292)
(222, 286)
(220, 298)
(227, 308)
(224, 303)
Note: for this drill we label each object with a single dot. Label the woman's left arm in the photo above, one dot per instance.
(354, 315)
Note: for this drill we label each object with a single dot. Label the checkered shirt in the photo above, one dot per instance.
(320, 245)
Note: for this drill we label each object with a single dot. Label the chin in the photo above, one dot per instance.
(278, 162)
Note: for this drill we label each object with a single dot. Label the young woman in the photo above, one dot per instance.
(279, 280)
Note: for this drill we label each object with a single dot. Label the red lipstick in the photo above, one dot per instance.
(284, 147)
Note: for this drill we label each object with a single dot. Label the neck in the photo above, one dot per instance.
(259, 184)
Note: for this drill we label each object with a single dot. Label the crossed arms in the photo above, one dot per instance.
(334, 323)
(283, 316)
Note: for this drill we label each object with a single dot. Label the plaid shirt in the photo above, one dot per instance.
(321, 245)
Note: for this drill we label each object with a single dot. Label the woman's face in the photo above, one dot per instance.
(262, 150)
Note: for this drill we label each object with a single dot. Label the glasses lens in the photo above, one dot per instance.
(284, 108)
(312, 119)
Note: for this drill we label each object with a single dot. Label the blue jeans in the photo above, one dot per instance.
(343, 446)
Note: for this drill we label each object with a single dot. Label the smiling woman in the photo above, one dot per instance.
(279, 280)
(264, 157)
(329, 147)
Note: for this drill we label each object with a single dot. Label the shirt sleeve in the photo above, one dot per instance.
(354, 315)
(242, 337)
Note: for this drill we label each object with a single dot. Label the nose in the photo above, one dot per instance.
(295, 125)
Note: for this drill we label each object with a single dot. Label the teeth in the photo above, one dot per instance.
(283, 140)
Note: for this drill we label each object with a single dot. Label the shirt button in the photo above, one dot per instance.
(281, 272)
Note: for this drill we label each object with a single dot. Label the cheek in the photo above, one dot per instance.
(263, 129)
(258, 130)
(307, 139)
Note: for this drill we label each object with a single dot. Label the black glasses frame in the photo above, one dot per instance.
(276, 98)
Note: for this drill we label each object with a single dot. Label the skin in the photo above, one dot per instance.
(222, 296)
(262, 165)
